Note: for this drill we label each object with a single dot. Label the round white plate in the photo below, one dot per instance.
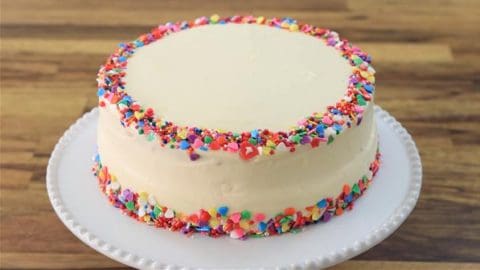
(77, 200)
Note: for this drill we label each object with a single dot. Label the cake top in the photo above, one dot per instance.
(241, 84)
(237, 77)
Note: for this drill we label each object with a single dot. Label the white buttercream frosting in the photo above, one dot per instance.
(237, 77)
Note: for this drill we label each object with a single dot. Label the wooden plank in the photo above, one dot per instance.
(17, 260)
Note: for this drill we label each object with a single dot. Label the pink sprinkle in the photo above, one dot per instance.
(259, 217)
(232, 147)
(237, 233)
(358, 109)
(197, 143)
(302, 122)
(235, 217)
(327, 120)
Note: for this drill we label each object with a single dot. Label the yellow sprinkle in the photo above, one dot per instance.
(294, 27)
(315, 215)
(285, 25)
(212, 212)
(261, 20)
(182, 133)
(213, 222)
(146, 218)
(244, 224)
(214, 18)
(364, 74)
(266, 151)
(285, 227)
(139, 115)
(113, 178)
(371, 79)
(270, 143)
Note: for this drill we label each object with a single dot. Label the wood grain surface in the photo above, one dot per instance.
(426, 53)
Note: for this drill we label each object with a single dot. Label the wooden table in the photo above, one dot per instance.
(427, 54)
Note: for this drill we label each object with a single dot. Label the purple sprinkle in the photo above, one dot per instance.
(306, 139)
(191, 138)
(326, 216)
(194, 156)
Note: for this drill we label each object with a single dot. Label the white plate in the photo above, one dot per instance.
(77, 200)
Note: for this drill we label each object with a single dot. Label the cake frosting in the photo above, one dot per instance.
(276, 119)
(222, 76)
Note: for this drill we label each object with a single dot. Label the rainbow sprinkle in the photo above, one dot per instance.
(219, 221)
(312, 130)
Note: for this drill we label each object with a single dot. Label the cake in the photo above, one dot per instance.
(240, 126)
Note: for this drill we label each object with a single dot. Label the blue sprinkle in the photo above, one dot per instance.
(322, 203)
(184, 25)
(222, 210)
(369, 88)
(262, 226)
(203, 148)
(203, 229)
(100, 92)
(127, 99)
(97, 158)
(128, 114)
(122, 59)
(320, 130)
(348, 198)
(337, 127)
(141, 124)
(254, 133)
(184, 145)
(138, 43)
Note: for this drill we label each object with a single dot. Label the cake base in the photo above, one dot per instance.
(74, 194)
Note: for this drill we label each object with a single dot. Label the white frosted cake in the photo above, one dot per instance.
(243, 126)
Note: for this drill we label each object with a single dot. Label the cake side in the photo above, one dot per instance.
(267, 185)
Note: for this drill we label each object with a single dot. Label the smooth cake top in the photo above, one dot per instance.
(237, 77)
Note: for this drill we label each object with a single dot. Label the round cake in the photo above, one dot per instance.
(240, 125)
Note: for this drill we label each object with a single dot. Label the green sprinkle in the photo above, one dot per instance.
(151, 136)
(361, 100)
(140, 131)
(208, 139)
(297, 138)
(252, 141)
(246, 214)
(156, 211)
(364, 179)
(130, 205)
(357, 61)
(285, 220)
(330, 139)
(356, 188)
